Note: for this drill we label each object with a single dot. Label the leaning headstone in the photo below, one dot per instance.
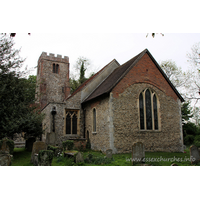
(194, 154)
(37, 147)
(45, 157)
(109, 153)
(79, 158)
(138, 152)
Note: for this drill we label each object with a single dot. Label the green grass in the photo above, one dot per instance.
(22, 158)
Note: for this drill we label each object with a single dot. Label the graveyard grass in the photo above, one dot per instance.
(21, 157)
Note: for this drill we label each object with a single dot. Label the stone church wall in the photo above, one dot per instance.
(126, 122)
(100, 139)
(144, 75)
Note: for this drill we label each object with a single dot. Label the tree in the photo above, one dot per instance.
(81, 65)
(17, 111)
(186, 112)
(194, 60)
(175, 74)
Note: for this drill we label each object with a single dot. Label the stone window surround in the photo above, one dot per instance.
(152, 92)
(94, 132)
(78, 122)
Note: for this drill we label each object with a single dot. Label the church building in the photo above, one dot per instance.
(116, 107)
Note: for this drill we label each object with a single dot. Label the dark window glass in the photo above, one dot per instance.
(155, 112)
(148, 110)
(54, 68)
(57, 66)
(74, 124)
(94, 120)
(68, 124)
(141, 111)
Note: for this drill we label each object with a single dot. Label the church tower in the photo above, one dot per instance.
(52, 79)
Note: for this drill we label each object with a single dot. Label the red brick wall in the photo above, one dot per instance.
(145, 71)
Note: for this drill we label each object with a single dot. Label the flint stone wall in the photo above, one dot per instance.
(126, 122)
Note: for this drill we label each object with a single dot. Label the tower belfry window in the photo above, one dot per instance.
(55, 68)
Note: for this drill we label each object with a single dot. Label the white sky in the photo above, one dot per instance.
(101, 48)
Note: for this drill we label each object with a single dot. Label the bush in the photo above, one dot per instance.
(49, 154)
(197, 140)
(9, 142)
(69, 144)
(188, 139)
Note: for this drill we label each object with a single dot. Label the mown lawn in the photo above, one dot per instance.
(94, 158)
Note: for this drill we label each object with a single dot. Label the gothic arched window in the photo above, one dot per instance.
(148, 106)
(55, 68)
(71, 122)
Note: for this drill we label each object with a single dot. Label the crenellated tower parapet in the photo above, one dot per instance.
(52, 78)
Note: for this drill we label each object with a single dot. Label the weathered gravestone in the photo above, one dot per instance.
(109, 153)
(5, 159)
(6, 148)
(45, 157)
(194, 154)
(79, 157)
(138, 153)
(37, 147)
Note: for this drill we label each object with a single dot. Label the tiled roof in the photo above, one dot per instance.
(113, 79)
(88, 81)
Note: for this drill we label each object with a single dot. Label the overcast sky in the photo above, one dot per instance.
(101, 48)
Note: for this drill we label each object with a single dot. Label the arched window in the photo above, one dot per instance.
(148, 110)
(94, 120)
(71, 122)
(55, 68)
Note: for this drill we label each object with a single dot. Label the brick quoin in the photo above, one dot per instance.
(145, 71)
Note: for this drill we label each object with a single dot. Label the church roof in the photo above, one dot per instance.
(88, 81)
(113, 79)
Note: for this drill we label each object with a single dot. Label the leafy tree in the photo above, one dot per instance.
(81, 65)
(17, 111)
(186, 111)
(194, 60)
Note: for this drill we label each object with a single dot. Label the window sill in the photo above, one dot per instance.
(94, 133)
(155, 131)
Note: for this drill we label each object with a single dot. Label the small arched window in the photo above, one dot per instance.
(94, 120)
(55, 68)
(148, 108)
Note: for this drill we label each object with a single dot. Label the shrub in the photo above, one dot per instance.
(197, 140)
(48, 152)
(9, 142)
(188, 139)
(69, 144)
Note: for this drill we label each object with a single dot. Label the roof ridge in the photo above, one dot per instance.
(90, 79)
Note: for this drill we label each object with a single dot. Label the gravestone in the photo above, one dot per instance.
(45, 158)
(4, 148)
(37, 146)
(79, 157)
(5, 159)
(138, 153)
(35, 163)
(109, 153)
(194, 154)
